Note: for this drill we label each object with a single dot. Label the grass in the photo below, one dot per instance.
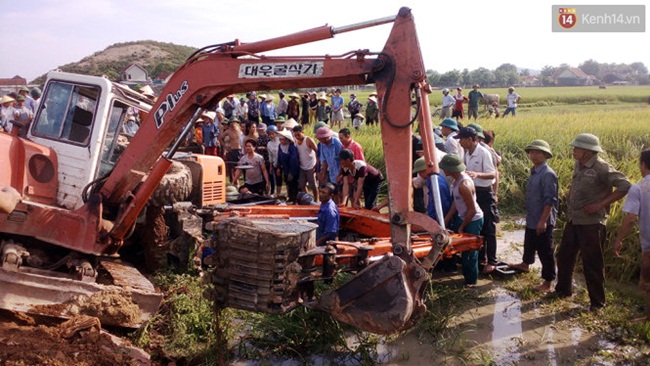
(186, 327)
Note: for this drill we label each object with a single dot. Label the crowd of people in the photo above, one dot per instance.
(453, 105)
(469, 199)
(17, 110)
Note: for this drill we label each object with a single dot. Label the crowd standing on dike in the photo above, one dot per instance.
(268, 146)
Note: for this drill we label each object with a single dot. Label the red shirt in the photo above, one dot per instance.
(356, 149)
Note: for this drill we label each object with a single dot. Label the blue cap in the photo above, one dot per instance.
(272, 128)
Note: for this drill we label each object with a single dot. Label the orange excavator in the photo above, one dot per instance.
(82, 195)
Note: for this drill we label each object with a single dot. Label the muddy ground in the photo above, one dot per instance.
(495, 328)
(25, 340)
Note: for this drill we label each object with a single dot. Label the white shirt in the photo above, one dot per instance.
(638, 203)
(6, 116)
(306, 155)
(511, 98)
(448, 101)
(282, 106)
(480, 161)
(272, 147)
(453, 145)
(241, 111)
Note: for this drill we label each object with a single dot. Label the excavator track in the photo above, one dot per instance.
(127, 301)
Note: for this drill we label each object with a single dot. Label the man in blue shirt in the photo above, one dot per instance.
(422, 179)
(330, 147)
(337, 108)
(210, 134)
(541, 209)
(328, 215)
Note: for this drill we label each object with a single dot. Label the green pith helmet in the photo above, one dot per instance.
(478, 128)
(587, 141)
(450, 123)
(419, 165)
(451, 163)
(540, 145)
(319, 125)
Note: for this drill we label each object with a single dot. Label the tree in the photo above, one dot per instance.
(450, 78)
(548, 71)
(465, 78)
(482, 76)
(639, 68)
(433, 77)
(507, 68)
(591, 67)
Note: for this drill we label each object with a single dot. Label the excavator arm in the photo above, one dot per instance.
(210, 75)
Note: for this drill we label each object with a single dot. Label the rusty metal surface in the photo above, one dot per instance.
(127, 276)
(256, 266)
(51, 294)
(364, 222)
(383, 298)
(76, 229)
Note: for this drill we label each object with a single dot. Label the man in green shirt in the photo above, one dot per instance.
(595, 186)
(474, 96)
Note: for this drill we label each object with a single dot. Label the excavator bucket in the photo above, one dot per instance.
(384, 298)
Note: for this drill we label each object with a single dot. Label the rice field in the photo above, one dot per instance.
(623, 129)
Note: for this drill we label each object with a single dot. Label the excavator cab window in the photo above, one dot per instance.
(115, 142)
(68, 113)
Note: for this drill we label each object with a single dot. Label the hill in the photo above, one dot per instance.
(156, 57)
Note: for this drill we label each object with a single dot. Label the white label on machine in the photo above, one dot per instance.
(280, 70)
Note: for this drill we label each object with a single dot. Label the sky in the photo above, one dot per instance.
(452, 34)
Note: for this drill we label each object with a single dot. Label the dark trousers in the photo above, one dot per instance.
(370, 191)
(485, 200)
(543, 245)
(418, 200)
(589, 240)
(276, 181)
(292, 187)
(257, 188)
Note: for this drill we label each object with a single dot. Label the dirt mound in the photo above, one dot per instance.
(24, 344)
(140, 52)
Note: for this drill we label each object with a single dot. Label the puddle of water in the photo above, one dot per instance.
(506, 328)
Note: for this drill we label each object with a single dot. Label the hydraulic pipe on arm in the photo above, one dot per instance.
(429, 148)
(308, 36)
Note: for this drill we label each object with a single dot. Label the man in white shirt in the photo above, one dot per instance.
(449, 129)
(512, 99)
(447, 103)
(480, 167)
